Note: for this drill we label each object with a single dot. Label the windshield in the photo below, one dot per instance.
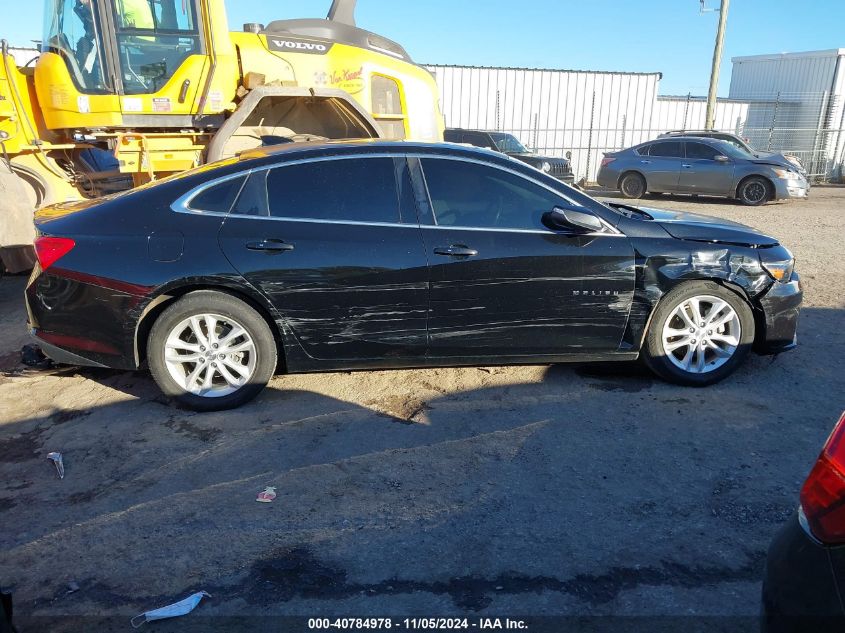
(732, 151)
(738, 143)
(508, 144)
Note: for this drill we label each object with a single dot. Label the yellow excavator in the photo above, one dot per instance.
(127, 91)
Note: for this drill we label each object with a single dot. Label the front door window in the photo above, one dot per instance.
(72, 30)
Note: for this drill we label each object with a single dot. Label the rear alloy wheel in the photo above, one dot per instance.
(754, 192)
(632, 186)
(700, 333)
(211, 351)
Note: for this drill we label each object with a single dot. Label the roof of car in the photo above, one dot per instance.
(362, 146)
(696, 133)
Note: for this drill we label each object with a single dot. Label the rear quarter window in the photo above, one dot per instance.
(218, 198)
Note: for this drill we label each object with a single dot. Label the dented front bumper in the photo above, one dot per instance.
(777, 321)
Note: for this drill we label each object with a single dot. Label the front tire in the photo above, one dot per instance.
(632, 186)
(211, 351)
(754, 191)
(699, 334)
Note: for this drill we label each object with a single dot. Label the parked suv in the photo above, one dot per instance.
(741, 143)
(700, 166)
(559, 168)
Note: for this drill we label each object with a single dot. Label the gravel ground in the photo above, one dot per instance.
(507, 491)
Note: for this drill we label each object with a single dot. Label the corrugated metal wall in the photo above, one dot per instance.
(764, 76)
(23, 55)
(798, 104)
(690, 113)
(552, 111)
(557, 111)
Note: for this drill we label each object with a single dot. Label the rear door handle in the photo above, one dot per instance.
(456, 250)
(687, 166)
(270, 246)
(646, 162)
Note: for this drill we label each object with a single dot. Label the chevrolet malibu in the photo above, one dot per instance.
(359, 254)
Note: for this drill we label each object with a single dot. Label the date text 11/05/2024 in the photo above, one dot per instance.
(413, 624)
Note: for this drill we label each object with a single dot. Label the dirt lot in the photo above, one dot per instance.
(507, 491)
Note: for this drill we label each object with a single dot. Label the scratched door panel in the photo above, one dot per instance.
(354, 289)
(529, 293)
(504, 283)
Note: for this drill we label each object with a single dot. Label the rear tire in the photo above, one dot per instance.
(681, 350)
(754, 191)
(632, 186)
(211, 351)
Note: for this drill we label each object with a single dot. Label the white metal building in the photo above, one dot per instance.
(552, 111)
(583, 112)
(24, 56)
(797, 102)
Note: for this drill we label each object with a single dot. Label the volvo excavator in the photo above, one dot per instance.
(127, 91)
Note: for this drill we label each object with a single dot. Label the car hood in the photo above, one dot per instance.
(767, 158)
(704, 228)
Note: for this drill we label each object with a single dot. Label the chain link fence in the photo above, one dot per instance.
(809, 126)
(585, 115)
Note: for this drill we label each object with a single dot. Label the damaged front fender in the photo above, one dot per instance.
(663, 264)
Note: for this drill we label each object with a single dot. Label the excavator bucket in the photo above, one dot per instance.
(270, 115)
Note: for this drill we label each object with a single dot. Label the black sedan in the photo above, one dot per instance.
(806, 564)
(356, 255)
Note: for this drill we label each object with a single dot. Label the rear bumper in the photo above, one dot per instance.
(82, 323)
(63, 356)
(800, 593)
(780, 308)
(607, 179)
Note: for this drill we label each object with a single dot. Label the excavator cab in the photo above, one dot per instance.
(100, 57)
(134, 46)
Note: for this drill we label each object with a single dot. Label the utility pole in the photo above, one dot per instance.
(717, 63)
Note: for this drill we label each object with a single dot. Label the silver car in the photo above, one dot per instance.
(702, 166)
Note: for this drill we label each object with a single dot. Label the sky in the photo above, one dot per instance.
(668, 36)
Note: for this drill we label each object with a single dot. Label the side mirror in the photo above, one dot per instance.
(568, 155)
(721, 159)
(572, 219)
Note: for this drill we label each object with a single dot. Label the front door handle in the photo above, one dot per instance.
(646, 162)
(456, 250)
(687, 166)
(270, 246)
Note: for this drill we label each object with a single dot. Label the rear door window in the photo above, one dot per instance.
(253, 198)
(350, 189)
(667, 149)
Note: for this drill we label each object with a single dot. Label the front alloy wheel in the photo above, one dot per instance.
(702, 334)
(699, 333)
(754, 192)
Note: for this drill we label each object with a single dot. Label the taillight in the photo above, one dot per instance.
(823, 494)
(607, 160)
(51, 249)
